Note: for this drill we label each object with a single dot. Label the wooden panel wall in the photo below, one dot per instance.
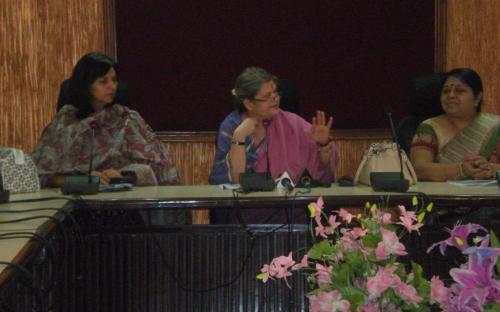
(40, 41)
(472, 39)
(194, 152)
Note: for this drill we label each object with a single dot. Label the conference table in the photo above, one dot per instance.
(113, 226)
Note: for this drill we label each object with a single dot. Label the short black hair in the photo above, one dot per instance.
(87, 70)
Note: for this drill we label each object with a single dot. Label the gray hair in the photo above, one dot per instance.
(248, 84)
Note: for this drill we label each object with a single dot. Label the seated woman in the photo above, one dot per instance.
(95, 126)
(259, 136)
(462, 142)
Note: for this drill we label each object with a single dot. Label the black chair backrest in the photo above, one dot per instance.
(65, 98)
(289, 96)
(424, 103)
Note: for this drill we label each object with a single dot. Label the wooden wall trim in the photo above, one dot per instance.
(109, 28)
(187, 136)
(210, 136)
(440, 7)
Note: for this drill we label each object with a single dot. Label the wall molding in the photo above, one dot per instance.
(210, 136)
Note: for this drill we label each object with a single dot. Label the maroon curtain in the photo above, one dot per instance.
(348, 58)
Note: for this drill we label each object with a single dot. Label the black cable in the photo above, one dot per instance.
(78, 231)
(244, 263)
(58, 227)
(51, 254)
(203, 290)
(37, 291)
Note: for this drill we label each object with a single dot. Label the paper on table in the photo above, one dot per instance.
(474, 183)
(227, 186)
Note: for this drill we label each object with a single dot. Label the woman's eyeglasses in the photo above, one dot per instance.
(272, 96)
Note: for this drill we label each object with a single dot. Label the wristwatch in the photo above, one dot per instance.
(233, 141)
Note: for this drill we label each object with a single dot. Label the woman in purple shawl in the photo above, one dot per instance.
(259, 136)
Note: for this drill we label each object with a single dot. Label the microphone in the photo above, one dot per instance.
(388, 112)
(285, 182)
(306, 180)
(83, 184)
(265, 124)
(4, 195)
(259, 181)
(93, 126)
(390, 181)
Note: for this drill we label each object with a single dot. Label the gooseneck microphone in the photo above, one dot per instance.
(93, 126)
(4, 195)
(83, 184)
(388, 112)
(390, 181)
(259, 181)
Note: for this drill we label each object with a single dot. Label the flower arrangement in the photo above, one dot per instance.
(354, 265)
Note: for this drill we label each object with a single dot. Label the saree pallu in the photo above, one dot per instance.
(481, 137)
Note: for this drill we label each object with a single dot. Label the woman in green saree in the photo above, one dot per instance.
(463, 142)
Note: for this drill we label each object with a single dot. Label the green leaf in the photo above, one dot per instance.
(371, 240)
(492, 308)
(495, 243)
(320, 249)
(354, 295)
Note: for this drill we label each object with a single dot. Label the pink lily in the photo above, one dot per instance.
(323, 274)
(407, 222)
(389, 245)
(328, 302)
(377, 284)
(345, 215)
(302, 264)
(439, 292)
(476, 285)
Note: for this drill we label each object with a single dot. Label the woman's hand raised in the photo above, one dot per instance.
(320, 130)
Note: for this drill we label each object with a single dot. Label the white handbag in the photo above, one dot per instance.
(383, 157)
(18, 173)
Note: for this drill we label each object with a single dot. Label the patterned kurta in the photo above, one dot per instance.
(122, 138)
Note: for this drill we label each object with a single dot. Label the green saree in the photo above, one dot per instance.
(481, 137)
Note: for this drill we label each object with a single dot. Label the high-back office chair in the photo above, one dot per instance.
(289, 96)
(65, 98)
(424, 103)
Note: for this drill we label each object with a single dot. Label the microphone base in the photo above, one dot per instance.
(388, 182)
(4, 196)
(257, 182)
(80, 185)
